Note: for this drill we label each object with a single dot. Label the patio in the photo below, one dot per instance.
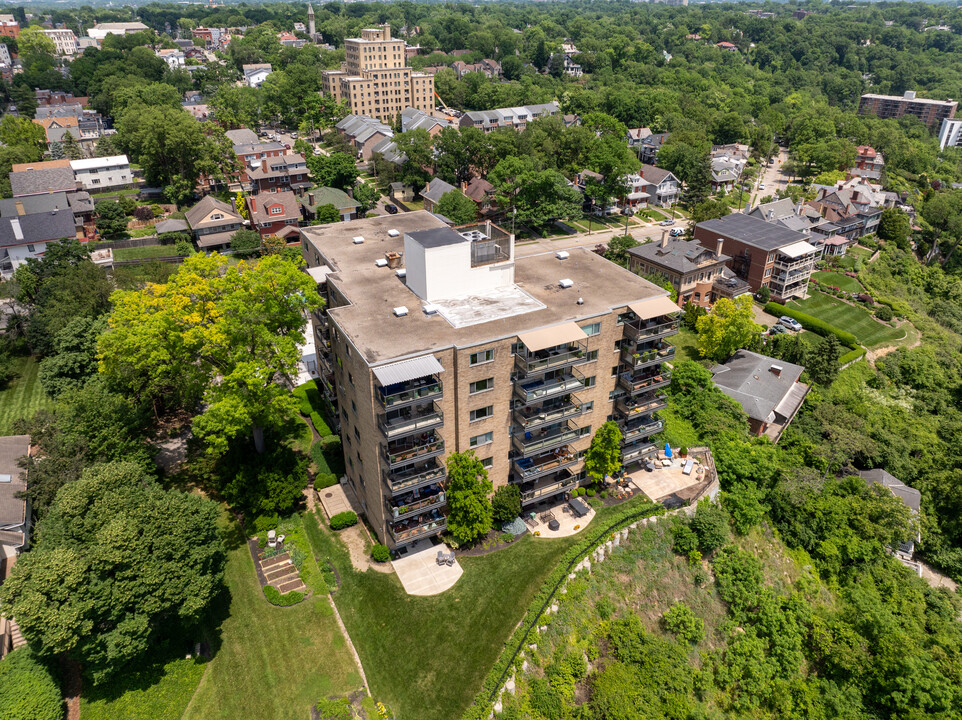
(568, 522)
(419, 572)
(663, 482)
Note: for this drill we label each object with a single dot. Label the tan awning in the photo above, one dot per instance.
(647, 309)
(549, 337)
(213, 239)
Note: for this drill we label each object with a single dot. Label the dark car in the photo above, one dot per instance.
(392, 209)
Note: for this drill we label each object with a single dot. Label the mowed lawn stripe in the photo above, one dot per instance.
(23, 396)
(839, 280)
(867, 329)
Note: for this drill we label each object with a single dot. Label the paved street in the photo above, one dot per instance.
(641, 234)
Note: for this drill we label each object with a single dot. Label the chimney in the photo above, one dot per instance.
(20, 210)
(253, 205)
(664, 238)
(776, 370)
(310, 199)
(464, 186)
(719, 243)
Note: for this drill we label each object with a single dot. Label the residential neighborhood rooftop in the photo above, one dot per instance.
(753, 231)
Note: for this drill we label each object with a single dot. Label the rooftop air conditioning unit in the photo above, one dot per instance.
(400, 311)
(381, 262)
(429, 309)
(562, 254)
(393, 233)
(358, 239)
(401, 273)
(566, 283)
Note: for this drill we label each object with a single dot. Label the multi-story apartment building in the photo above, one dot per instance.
(375, 80)
(469, 347)
(931, 112)
(950, 134)
(762, 253)
(9, 26)
(64, 40)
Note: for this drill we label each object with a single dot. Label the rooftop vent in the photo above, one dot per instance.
(429, 309)
(393, 233)
(358, 239)
(562, 254)
(776, 370)
(401, 273)
(381, 262)
(400, 311)
(566, 283)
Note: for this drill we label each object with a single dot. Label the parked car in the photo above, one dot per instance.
(666, 223)
(777, 330)
(677, 232)
(293, 136)
(391, 209)
(761, 186)
(790, 323)
(318, 151)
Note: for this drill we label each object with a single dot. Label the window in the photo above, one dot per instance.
(583, 431)
(593, 329)
(357, 436)
(487, 462)
(589, 381)
(30, 248)
(217, 216)
(618, 345)
(479, 440)
(768, 272)
(517, 348)
(276, 210)
(591, 355)
(482, 413)
(479, 358)
(350, 378)
(614, 371)
(589, 406)
(481, 386)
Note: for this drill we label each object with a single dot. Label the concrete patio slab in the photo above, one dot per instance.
(334, 500)
(419, 572)
(665, 481)
(568, 523)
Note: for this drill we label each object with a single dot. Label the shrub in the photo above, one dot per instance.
(263, 523)
(343, 520)
(325, 480)
(338, 709)
(710, 524)
(851, 356)
(27, 689)
(144, 212)
(274, 597)
(809, 322)
(298, 557)
(590, 492)
(380, 553)
(680, 621)
(684, 540)
(506, 504)
(884, 313)
(183, 248)
(683, 450)
(603, 494)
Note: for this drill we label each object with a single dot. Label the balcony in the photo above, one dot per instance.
(635, 453)
(565, 408)
(547, 438)
(641, 330)
(411, 419)
(552, 358)
(630, 407)
(541, 389)
(416, 475)
(640, 431)
(420, 526)
(546, 487)
(637, 359)
(415, 502)
(638, 384)
(427, 388)
(549, 462)
(406, 451)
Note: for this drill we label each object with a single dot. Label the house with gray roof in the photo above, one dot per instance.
(691, 268)
(433, 192)
(364, 133)
(414, 119)
(768, 390)
(387, 149)
(663, 187)
(213, 223)
(512, 117)
(911, 497)
(26, 236)
(14, 510)
(319, 196)
(40, 180)
(242, 136)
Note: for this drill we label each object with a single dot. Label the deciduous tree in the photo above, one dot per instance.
(728, 327)
(457, 207)
(604, 453)
(467, 494)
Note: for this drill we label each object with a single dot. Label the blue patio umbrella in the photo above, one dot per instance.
(667, 451)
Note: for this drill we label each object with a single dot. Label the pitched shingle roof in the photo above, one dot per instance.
(436, 189)
(195, 216)
(749, 379)
(32, 182)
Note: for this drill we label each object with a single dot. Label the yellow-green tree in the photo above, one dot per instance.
(729, 326)
(224, 335)
(241, 206)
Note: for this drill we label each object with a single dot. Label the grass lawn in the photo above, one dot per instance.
(686, 345)
(273, 662)
(23, 396)
(149, 251)
(414, 204)
(426, 657)
(842, 282)
(158, 693)
(869, 331)
(862, 253)
(142, 232)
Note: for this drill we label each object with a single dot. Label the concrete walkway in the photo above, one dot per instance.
(419, 572)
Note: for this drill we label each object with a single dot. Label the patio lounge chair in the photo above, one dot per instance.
(441, 557)
(450, 559)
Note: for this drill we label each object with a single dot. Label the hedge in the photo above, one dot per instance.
(343, 520)
(851, 356)
(810, 322)
(480, 709)
(380, 553)
(274, 596)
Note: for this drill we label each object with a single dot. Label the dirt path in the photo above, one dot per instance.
(72, 685)
(355, 539)
(873, 355)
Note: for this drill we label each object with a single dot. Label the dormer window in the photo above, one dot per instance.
(217, 216)
(276, 210)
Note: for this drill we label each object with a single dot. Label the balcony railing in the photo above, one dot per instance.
(407, 531)
(635, 385)
(634, 453)
(532, 492)
(399, 508)
(541, 389)
(552, 359)
(530, 418)
(631, 408)
(408, 453)
(529, 443)
(629, 435)
(639, 359)
(410, 477)
(396, 395)
(531, 468)
(420, 418)
(657, 327)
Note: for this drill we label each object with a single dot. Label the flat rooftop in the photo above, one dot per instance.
(374, 292)
(752, 231)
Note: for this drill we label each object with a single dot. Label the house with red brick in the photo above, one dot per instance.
(276, 174)
(272, 212)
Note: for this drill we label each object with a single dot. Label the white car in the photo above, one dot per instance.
(790, 323)
(761, 186)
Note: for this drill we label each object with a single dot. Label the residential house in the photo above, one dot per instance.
(491, 68)
(103, 173)
(462, 68)
(79, 203)
(256, 73)
(516, 117)
(15, 521)
(364, 133)
(768, 390)
(724, 175)
(210, 36)
(854, 206)
(821, 233)
(762, 253)
(690, 267)
(193, 97)
(319, 196)
(58, 97)
(213, 223)
(414, 119)
(42, 177)
(909, 496)
(251, 155)
(482, 193)
(290, 40)
(636, 197)
(276, 174)
(64, 41)
(869, 164)
(272, 212)
(664, 189)
(56, 128)
(433, 192)
(26, 236)
(730, 47)
(649, 147)
(387, 149)
(174, 58)
(570, 67)
(637, 135)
